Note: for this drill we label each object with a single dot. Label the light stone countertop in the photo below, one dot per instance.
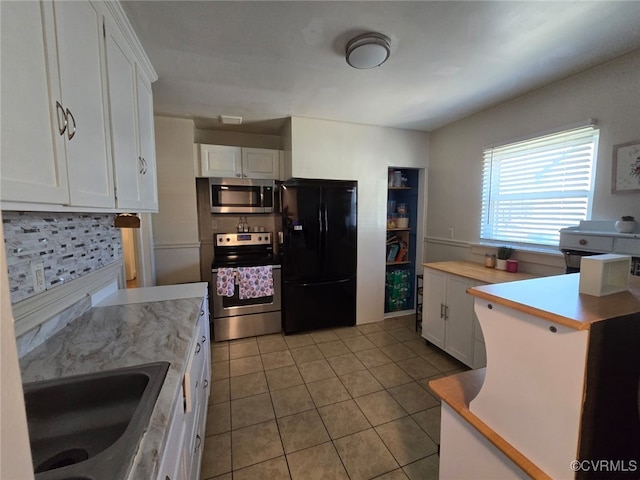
(131, 327)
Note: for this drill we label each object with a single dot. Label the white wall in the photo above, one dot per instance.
(344, 151)
(609, 93)
(175, 226)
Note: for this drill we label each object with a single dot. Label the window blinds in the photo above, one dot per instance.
(533, 188)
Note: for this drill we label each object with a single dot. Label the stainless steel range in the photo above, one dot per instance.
(235, 315)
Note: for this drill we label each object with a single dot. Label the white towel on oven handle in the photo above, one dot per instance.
(226, 282)
(255, 282)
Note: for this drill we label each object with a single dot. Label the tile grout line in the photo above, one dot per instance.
(326, 355)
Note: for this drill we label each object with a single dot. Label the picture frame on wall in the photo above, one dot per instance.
(626, 168)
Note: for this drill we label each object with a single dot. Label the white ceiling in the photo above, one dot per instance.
(267, 60)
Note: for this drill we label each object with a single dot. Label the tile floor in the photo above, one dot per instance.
(345, 403)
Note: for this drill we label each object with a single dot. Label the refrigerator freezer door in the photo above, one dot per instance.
(318, 305)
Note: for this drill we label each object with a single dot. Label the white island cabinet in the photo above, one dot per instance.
(559, 396)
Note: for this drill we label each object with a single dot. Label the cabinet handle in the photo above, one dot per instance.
(59, 109)
(204, 339)
(141, 171)
(198, 443)
(206, 384)
(446, 312)
(144, 165)
(442, 310)
(198, 347)
(201, 313)
(238, 174)
(71, 134)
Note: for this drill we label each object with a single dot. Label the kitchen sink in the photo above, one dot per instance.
(88, 427)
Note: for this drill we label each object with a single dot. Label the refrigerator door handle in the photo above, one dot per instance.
(326, 218)
(330, 282)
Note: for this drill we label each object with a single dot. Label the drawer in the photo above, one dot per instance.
(627, 246)
(591, 243)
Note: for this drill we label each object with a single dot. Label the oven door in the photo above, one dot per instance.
(234, 306)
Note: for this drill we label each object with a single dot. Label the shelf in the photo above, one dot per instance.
(399, 263)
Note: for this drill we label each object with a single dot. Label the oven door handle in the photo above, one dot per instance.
(273, 267)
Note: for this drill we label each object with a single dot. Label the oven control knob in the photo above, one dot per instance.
(582, 241)
(259, 239)
(228, 239)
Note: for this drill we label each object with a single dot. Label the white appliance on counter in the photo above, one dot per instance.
(594, 237)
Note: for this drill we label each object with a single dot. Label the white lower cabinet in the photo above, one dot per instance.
(185, 438)
(449, 321)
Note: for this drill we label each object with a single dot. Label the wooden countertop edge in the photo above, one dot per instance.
(476, 271)
(457, 391)
(545, 315)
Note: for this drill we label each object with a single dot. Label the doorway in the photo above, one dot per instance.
(130, 254)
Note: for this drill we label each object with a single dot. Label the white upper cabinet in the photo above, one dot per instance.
(131, 107)
(56, 116)
(260, 163)
(33, 167)
(121, 76)
(220, 161)
(147, 142)
(224, 161)
(84, 98)
(54, 136)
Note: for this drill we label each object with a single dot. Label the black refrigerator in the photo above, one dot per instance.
(319, 254)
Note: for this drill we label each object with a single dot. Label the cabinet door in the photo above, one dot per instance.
(84, 94)
(433, 308)
(220, 161)
(121, 72)
(33, 166)
(459, 334)
(260, 163)
(147, 143)
(171, 460)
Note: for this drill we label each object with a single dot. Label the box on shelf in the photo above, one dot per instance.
(397, 290)
(604, 274)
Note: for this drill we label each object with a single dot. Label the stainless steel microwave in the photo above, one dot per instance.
(241, 195)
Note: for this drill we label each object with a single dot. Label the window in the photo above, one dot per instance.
(533, 188)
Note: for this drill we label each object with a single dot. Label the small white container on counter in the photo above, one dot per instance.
(604, 274)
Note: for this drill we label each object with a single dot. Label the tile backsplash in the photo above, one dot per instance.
(69, 244)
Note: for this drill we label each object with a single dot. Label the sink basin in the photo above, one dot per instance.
(88, 427)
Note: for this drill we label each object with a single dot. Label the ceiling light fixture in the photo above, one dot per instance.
(368, 50)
